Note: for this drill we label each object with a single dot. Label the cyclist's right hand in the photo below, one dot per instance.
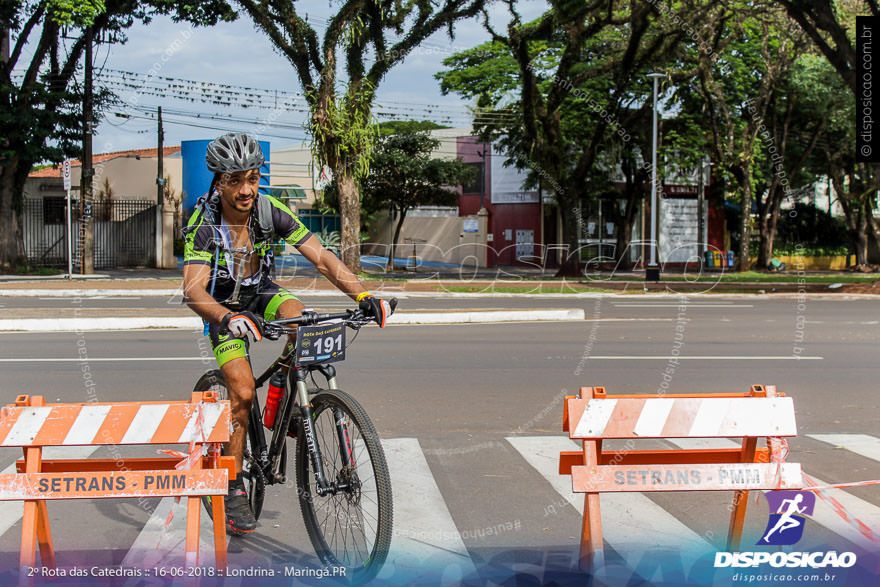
(377, 309)
(243, 324)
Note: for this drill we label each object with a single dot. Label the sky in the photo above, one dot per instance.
(238, 54)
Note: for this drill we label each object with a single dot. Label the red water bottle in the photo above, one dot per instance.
(276, 390)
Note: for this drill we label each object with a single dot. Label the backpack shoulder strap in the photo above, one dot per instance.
(264, 216)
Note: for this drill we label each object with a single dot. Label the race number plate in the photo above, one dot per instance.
(322, 343)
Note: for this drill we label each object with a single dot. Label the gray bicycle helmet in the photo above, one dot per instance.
(234, 152)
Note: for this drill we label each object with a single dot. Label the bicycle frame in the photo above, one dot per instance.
(295, 395)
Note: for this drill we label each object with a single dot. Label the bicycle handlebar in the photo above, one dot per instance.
(355, 318)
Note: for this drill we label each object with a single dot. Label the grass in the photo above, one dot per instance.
(761, 277)
(25, 270)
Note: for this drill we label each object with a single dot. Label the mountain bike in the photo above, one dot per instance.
(342, 478)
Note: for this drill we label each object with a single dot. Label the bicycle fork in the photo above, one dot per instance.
(302, 396)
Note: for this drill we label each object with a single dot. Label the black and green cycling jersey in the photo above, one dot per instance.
(207, 240)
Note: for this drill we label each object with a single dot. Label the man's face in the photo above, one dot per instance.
(238, 190)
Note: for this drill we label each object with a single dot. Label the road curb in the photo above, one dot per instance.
(193, 323)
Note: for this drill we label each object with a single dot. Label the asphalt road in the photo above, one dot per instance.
(463, 391)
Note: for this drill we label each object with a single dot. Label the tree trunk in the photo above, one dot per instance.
(350, 213)
(873, 225)
(397, 230)
(769, 224)
(856, 226)
(12, 253)
(745, 184)
(860, 242)
(624, 237)
(570, 266)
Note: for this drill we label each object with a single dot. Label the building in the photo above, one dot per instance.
(497, 222)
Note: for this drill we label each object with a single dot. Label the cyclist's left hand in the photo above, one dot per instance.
(242, 325)
(377, 309)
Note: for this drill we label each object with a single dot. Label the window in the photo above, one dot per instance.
(54, 211)
(474, 185)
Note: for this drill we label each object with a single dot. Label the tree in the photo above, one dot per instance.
(391, 127)
(855, 184)
(403, 176)
(800, 110)
(556, 93)
(831, 26)
(39, 103)
(367, 39)
(733, 93)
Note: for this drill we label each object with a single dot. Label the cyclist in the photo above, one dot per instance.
(227, 276)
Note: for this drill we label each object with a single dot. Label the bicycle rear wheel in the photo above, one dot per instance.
(253, 482)
(350, 526)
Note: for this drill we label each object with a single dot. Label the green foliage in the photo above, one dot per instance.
(345, 132)
(40, 105)
(40, 116)
(330, 239)
(807, 226)
(75, 12)
(487, 73)
(391, 127)
(404, 175)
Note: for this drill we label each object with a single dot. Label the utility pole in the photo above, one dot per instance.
(160, 176)
(701, 193)
(652, 271)
(87, 229)
(482, 155)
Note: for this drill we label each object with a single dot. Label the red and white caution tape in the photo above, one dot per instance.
(188, 461)
(838, 507)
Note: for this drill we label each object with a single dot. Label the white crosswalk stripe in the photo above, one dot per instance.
(11, 511)
(861, 444)
(631, 523)
(423, 526)
(426, 534)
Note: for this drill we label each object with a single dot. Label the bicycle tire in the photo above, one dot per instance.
(255, 487)
(318, 510)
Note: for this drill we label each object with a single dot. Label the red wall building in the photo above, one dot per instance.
(504, 219)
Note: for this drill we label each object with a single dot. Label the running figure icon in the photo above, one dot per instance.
(786, 520)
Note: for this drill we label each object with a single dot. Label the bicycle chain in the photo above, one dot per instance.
(252, 461)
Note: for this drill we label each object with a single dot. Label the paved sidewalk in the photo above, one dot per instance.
(503, 279)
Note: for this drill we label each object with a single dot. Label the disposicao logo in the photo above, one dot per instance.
(787, 511)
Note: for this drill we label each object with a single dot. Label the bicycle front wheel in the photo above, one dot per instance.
(350, 524)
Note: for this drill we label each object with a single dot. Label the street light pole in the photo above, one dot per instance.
(701, 205)
(652, 271)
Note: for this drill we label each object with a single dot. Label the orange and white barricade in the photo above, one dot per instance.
(202, 423)
(595, 416)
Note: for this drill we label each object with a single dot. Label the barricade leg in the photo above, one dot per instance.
(740, 499)
(218, 513)
(592, 547)
(592, 554)
(44, 535)
(33, 519)
(193, 509)
(592, 544)
(28, 555)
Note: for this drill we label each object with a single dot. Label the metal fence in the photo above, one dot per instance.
(124, 233)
